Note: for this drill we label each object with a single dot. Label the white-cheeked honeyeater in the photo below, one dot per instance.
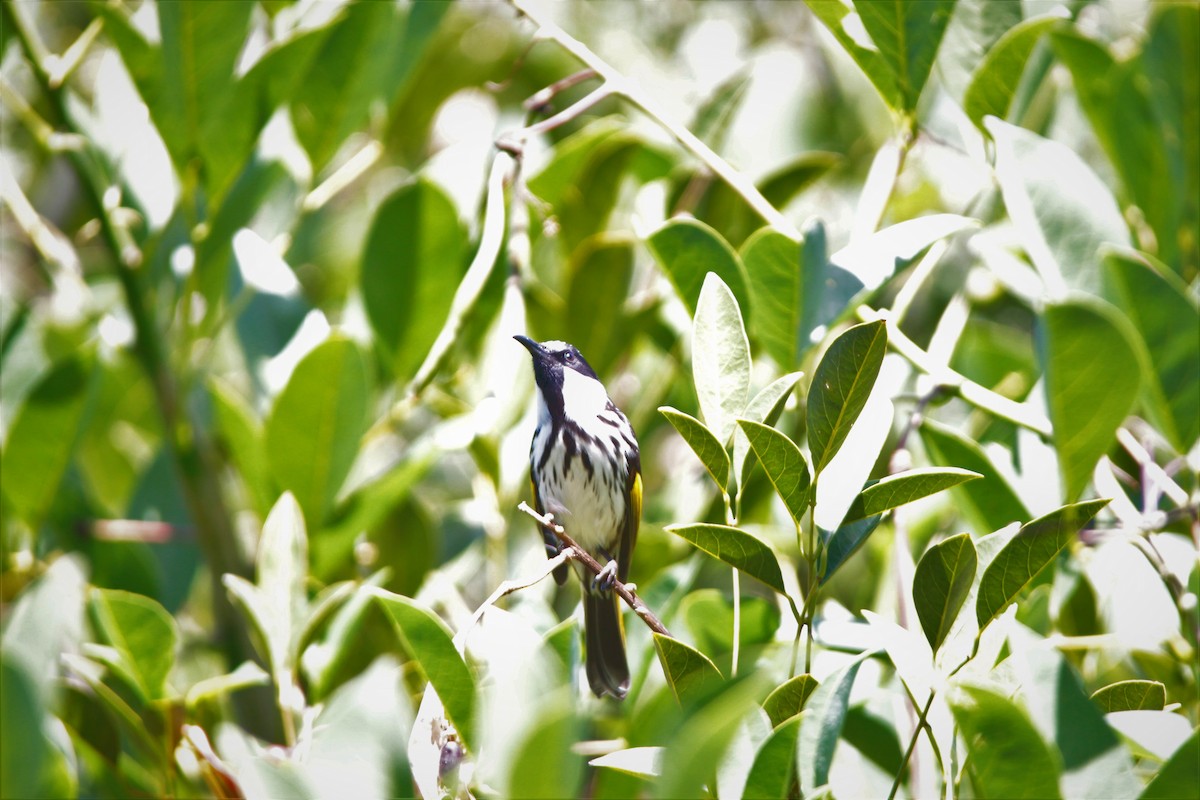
(587, 472)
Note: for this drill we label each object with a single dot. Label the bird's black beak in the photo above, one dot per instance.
(536, 350)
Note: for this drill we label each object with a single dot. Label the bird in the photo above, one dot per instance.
(586, 471)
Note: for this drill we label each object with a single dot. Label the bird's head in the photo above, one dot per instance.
(561, 371)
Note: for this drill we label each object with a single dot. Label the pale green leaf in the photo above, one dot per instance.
(1132, 695)
(640, 762)
(736, 548)
(821, 726)
(688, 250)
(774, 763)
(545, 763)
(788, 698)
(720, 358)
(995, 80)
(905, 487)
(689, 672)
(703, 443)
(776, 277)
(247, 674)
(999, 735)
(282, 571)
(840, 388)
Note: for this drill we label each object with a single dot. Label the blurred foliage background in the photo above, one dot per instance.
(265, 429)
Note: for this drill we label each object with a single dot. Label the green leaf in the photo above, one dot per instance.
(282, 567)
(845, 542)
(784, 464)
(601, 268)
(975, 27)
(1034, 547)
(1133, 695)
(720, 358)
(30, 764)
(840, 387)
(941, 584)
(776, 276)
(412, 262)
(905, 487)
(1165, 318)
(247, 674)
(703, 443)
(429, 642)
(766, 407)
(688, 250)
(241, 432)
(716, 113)
(1062, 211)
(774, 764)
(688, 671)
(640, 762)
(43, 435)
(995, 80)
(992, 500)
(313, 431)
(998, 736)
(141, 631)
(905, 36)
(877, 257)
(822, 723)
(544, 762)
(736, 548)
(1177, 778)
(874, 737)
(709, 617)
(788, 698)
(1092, 378)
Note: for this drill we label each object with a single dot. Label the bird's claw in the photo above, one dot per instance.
(606, 577)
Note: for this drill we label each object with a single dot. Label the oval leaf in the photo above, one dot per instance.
(766, 407)
(313, 431)
(720, 358)
(776, 277)
(1131, 696)
(687, 670)
(788, 698)
(1036, 544)
(824, 716)
(141, 631)
(412, 264)
(784, 464)
(775, 763)
(992, 500)
(282, 573)
(1092, 378)
(840, 388)
(905, 487)
(999, 72)
(431, 645)
(845, 542)
(941, 584)
(736, 548)
(640, 762)
(688, 250)
(703, 443)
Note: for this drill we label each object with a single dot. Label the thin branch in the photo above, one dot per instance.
(631, 91)
(576, 553)
(996, 404)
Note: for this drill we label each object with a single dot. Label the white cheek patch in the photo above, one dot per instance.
(583, 396)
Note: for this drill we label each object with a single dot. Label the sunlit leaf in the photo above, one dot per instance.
(736, 548)
(845, 542)
(775, 763)
(282, 571)
(788, 698)
(784, 464)
(776, 275)
(641, 762)
(1034, 547)
(720, 358)
(313, 431)
(765, 408)
(1132, 695)
(30, 764)
(429, 642)
(1092, 379)
(840, 388)
(905, 487)
(998, 735)
(142, 632)
(703, 443)
(941, 584)
(995, 80)
(245, 675)
(824, 715)
(688, 250)
(688, 671)
(991, 498)
(1176, 780)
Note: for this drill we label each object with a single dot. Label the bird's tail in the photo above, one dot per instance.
(607, 670)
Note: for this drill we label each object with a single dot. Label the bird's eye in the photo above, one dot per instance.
(568, 356)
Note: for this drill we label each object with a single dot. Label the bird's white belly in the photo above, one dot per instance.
(589, 506)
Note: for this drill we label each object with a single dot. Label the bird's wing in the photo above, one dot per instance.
(633, 516)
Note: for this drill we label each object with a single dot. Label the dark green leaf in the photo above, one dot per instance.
(313, 431)
(411, 266)
(991, 498)
(998, 736)
(30, 764)
(822, 723)
(142, 632)
(874, 737)
(774, 766)
(703, 443)
(1131, 695)
(688, 671)
(1092, 377)
(688, 250)
(43, 436)
(1062, 211)
(995, 80)
(600, 270)
(1177, 778)
(720, 358)
(777, 290)
(905, 487)
(788, 698)
(430, 643)
(845, 542)
(784, 464)
(840, 387)
(941, 584)
(1166, 319)
(766, 407)
(1034, 547)
(736, 548)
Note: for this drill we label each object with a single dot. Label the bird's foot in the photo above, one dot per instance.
(607, 577)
